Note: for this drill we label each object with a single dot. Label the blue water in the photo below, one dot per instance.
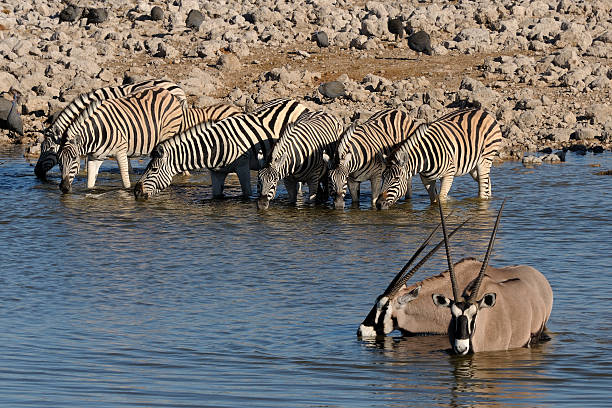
(184, 301)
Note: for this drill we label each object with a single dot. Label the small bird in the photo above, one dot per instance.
(97, 15)
(320, 37)
(157, 14)
(420, 42)
(194, 19)
(396, 26)
(71, 14)
(10, 117)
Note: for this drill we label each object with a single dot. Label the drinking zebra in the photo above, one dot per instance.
(463, 141)
(79, 105)
(121, 127)
(298, 157)
(361, 153)
(231, 145)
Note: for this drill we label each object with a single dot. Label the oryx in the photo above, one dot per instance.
(512, 312)
(408, 308)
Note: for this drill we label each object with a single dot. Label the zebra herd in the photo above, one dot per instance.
(282, 139)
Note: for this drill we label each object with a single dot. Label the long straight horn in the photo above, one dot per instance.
(485, 262)
(410, 261)
(451, 271)
(435, 249)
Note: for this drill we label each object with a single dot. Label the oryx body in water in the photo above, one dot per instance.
(408, 308)
(511, 313)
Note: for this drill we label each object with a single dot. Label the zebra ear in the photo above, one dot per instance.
(346, 159)
(401, 158)
(326, 158)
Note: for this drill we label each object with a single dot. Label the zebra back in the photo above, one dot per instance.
(460, 139)
(377, 136)
(301, 146)
(80, 104)
(213, 113)
(141, 120)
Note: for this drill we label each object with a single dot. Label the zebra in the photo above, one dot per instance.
(361, 154)
(121, 127)
(230, 145)
(463, 141)
(298, 157)
(213, 113)
(79, 105)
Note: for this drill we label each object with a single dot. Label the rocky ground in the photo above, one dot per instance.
(543, 67)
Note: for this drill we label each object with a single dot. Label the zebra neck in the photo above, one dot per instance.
(417, 154)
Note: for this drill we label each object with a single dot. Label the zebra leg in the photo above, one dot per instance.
(430, 186)
(93, 166)
(313, 189)
(376, 183)
(291, 184)
(218, 180)
(355, 189)
(244, 175)
(408, 194)
(484, 179)
(445, 184)
(122, 161)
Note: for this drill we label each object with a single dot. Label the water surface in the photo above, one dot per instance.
(185, 301)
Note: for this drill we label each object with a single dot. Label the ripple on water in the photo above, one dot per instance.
(183, 300)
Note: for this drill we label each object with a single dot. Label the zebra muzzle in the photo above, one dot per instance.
(139, 192)
(65, 186)
(263, 203)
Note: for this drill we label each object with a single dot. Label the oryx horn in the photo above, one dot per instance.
(405, 278)
(451, 271)
(485, 262)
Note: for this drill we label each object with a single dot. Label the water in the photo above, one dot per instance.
(184, 301)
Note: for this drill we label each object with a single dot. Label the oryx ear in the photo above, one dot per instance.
(441, 300)
(487, 300)
(410, 296)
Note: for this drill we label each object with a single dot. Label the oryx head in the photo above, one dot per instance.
(157, 175)
(382, 318)
(69, 160)
(465, 310)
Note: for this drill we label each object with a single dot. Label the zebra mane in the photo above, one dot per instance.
(71, 132)
(343, 144)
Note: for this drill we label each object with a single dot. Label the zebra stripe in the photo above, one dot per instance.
(464, 141)
(79, 106)
(298, 156)
(213, 113)
(230, 145)
(121, 127)
(361, 153)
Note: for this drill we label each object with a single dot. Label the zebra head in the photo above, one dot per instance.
(157, 175)
(69, 162)
(396, 177)
(47, 159)
(268, 178)
(338, 181)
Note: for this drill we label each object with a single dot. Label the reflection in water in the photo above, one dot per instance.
(188, 301)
